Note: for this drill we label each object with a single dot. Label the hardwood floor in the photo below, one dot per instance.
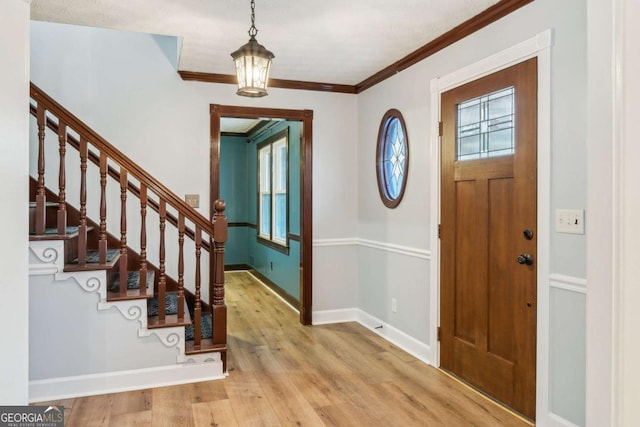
(282, 373)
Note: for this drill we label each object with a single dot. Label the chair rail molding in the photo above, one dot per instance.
(568, 283)
(375, 244)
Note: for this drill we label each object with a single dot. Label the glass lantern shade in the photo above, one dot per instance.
(253, 62)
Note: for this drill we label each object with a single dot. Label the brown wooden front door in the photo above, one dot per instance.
(488, 235)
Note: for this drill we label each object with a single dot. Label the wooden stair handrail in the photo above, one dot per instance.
(116, 155)
(115, 174)
(61, 120)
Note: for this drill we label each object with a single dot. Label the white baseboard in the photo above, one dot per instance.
(334, 316)
(395, 336)
(554, 420)
(414, 347)
(115, 382)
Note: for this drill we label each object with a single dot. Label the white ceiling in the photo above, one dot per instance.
(237, 125)
(325, 41)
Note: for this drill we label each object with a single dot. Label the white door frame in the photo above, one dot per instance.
(538, 46)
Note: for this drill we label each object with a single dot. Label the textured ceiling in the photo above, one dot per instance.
(328, 41)
(237, 125)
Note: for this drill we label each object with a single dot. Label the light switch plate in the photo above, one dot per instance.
(192, 200)
(570, 221)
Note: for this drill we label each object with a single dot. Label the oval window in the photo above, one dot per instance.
(392, 158)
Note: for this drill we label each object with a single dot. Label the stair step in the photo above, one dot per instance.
(94, 256)
(92, 259)
(133, 280)
(206, 346)
(169, 319)
(171, 304)
(69, 230)
(205, 325)
(54, 231)
(133, 287)
(33, 211)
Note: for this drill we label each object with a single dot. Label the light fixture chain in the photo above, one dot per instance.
(253, 31)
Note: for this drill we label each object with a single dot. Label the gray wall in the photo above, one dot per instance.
(385, 274)
(84, 341)
(14, 175)
(125, 87)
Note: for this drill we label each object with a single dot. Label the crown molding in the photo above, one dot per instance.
(470, 26)
(279, 83)
(481, 20)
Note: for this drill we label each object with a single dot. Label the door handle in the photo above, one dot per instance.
(525, 259)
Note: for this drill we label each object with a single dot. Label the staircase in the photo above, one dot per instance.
(129, 273)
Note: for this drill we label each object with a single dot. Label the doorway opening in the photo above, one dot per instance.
(275, 148)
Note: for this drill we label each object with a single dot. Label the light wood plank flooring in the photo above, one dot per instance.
(282, 374)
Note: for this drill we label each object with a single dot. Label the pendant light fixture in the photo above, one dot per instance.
(253, 62)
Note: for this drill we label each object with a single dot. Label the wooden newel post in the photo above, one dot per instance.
(218, 307)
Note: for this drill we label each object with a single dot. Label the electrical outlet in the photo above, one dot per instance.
(394, 305)
(570, 221)
(192, 200)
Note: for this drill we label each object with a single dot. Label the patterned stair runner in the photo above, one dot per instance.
(54, 231)
(133, 281)
(170, 301)
(205, 326)
(94, 256)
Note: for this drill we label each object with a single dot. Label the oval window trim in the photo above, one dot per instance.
(392, 198)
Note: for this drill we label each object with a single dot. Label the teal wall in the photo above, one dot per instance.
(238, 188)
(233, 190)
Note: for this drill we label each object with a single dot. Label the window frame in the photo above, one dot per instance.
(484, 124)
(268, 239)
(383, 181)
